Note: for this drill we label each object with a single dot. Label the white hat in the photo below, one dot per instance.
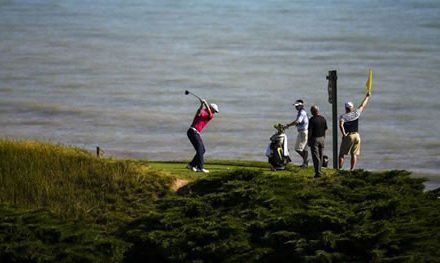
(298, 103)
(349, 105)
(214, 107)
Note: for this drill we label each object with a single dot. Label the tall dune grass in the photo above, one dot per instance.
(74, 183)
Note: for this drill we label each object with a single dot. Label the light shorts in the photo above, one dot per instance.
(301, 141)
(351, 144)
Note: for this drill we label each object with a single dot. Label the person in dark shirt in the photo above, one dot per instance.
(349, 126)
(317, 130)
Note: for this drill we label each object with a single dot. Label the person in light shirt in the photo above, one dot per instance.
(204, 115)
(302, 125)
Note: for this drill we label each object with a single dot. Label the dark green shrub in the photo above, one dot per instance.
(246, 216)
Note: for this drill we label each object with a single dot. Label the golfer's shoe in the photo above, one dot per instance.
(202, 170)
(305, 164)
(192, 168)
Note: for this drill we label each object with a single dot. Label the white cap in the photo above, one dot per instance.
(349, 105)
(298, 103)
(214, 107)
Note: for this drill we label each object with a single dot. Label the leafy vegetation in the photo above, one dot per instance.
(39, 236)
(62, 204)
(245, 216)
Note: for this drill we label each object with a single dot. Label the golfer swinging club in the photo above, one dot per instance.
(204, 114)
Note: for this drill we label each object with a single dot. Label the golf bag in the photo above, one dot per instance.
(277, 152)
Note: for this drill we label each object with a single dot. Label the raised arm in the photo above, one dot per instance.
(199, 109)
(204, 102)
(364, 102)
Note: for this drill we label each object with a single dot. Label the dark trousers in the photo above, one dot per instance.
(195, 139)
(316, 147)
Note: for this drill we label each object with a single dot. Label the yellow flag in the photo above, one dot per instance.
(369, 84)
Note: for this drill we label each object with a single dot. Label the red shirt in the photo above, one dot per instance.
(201, 120)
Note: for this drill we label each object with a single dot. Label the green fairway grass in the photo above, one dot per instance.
(178, 168)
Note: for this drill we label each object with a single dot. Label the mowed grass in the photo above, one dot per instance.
(215, 167)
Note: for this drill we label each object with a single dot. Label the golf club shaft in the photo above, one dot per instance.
(189, 92)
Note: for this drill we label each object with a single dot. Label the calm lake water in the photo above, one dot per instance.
(113, 74)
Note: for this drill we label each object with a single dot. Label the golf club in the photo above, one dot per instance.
(188, 92)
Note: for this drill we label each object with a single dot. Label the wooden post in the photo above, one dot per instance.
(98, 151)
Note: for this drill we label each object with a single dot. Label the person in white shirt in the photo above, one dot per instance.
(302, 124)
